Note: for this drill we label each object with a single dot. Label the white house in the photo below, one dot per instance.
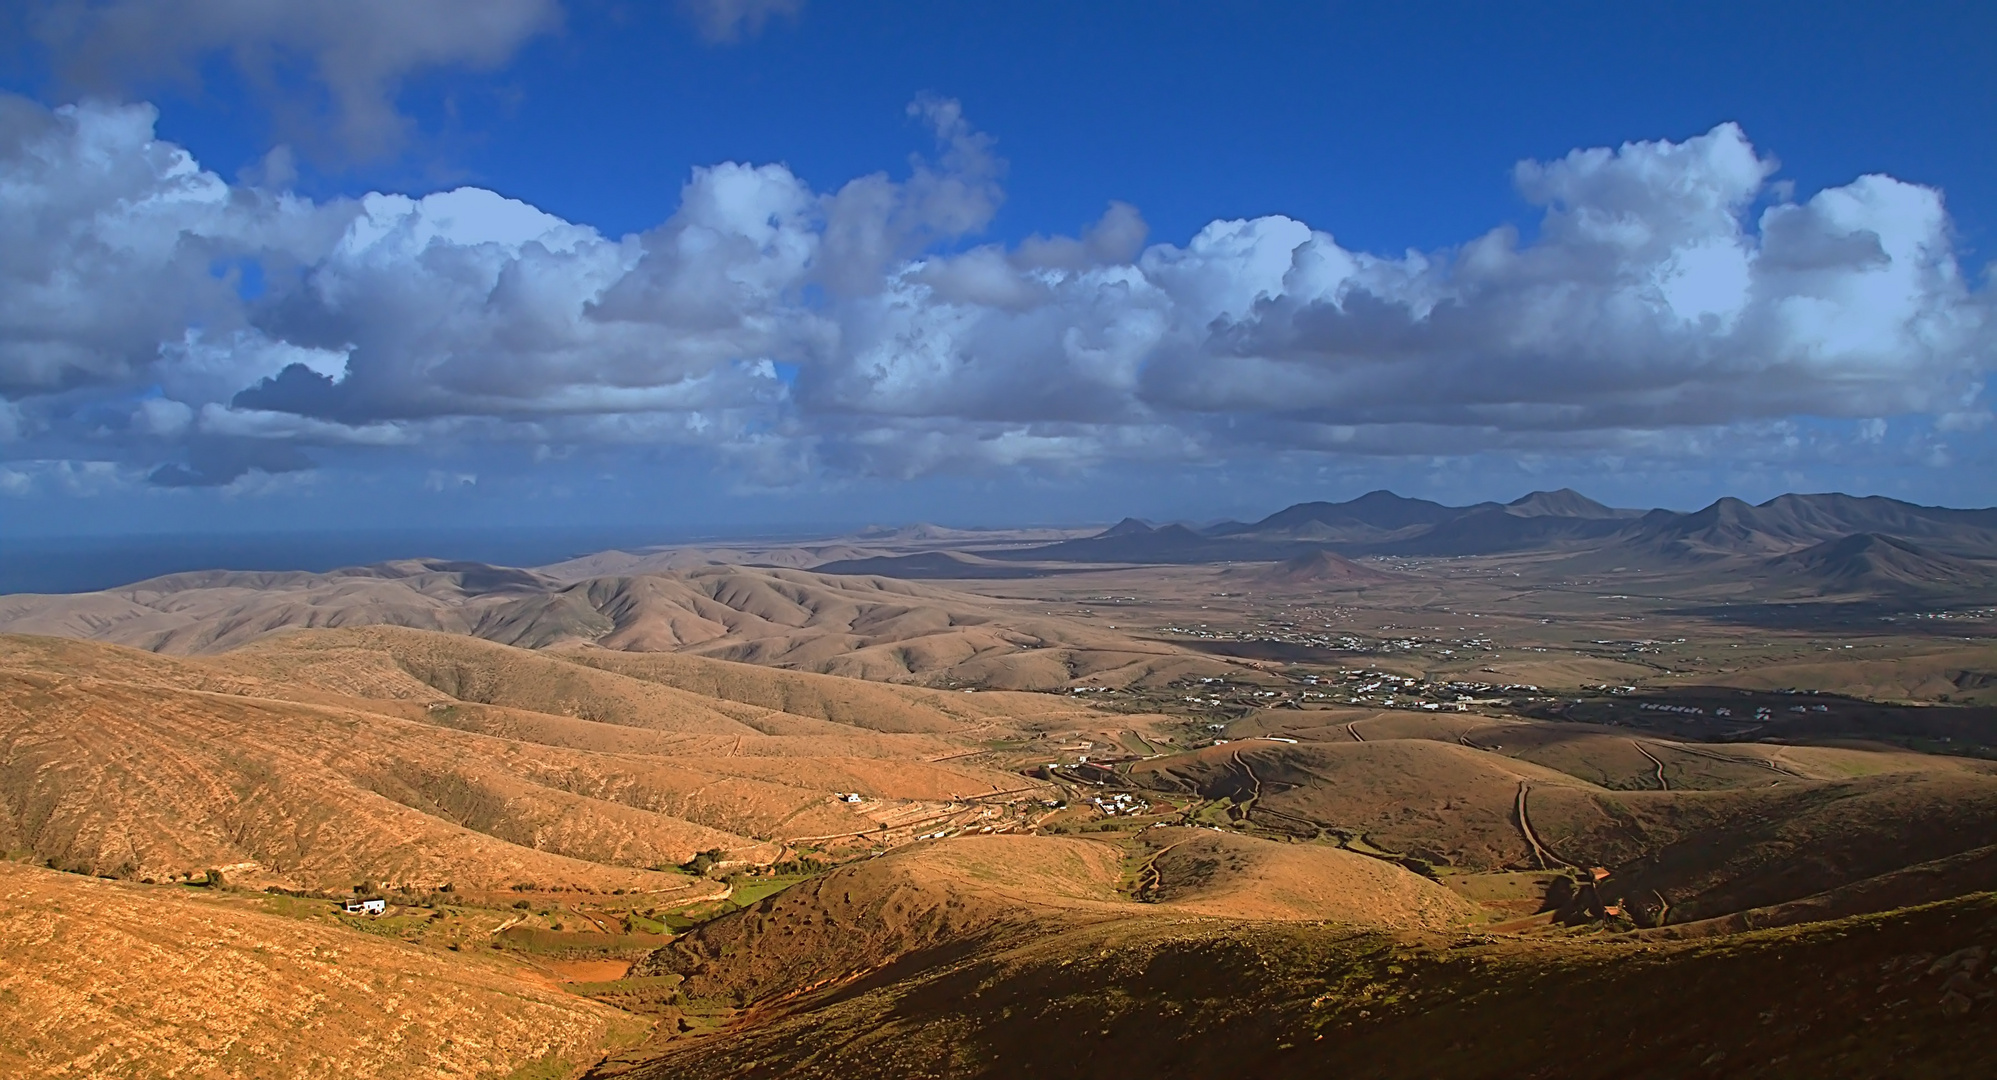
(359, 906)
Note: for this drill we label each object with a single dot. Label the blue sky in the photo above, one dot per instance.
(983, 263)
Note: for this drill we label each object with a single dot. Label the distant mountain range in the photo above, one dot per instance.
(1793, 546)
(1832, 541)
(1792, 522)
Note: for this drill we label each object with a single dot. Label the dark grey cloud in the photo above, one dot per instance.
(328, 70)
(218, 462)
(353, 52)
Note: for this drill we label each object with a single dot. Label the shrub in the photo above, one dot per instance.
(704, 861)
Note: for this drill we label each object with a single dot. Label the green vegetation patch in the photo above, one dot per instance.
(533, 940)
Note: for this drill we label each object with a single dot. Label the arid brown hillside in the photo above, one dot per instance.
(1211, 872)
(1903, 994)
(396, 756)
(920, 904)
(864, 627)
(1755, 828)
(105, 979)
(1446, 803)
(1499, 815)
(872, 628)
(1326, 569)
(212, 611)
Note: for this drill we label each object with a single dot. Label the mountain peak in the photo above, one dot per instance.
(1380, 510)
(1870, 562)
(1129, 526)
(1565, 502)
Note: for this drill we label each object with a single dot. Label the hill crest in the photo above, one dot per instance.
(1325, 567)
(1871, 561)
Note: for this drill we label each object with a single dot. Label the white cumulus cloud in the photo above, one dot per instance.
(1672, 303)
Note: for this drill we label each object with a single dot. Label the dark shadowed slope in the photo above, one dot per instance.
(1565, 502)
(1129, 526)
(1791, 522)
(1188, 1000)
(1869, 562)
(1492, 530)
(1374, 516)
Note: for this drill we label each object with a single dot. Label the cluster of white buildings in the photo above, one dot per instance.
(1120, 803)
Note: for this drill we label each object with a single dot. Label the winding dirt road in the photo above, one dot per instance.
(1255, 792)
(1532, 839)
(1662, 783)
(1149, 878)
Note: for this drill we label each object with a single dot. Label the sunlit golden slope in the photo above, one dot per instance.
(322, 759)
(967, 894)
(100, 979)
